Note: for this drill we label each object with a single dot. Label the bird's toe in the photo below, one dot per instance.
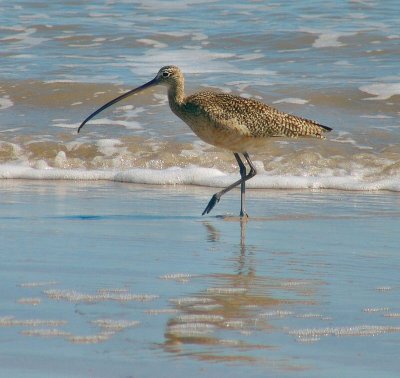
(213, 201)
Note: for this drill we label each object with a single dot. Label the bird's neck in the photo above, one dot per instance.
(176, 95)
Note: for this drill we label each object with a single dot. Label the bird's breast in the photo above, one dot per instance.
(229, 135)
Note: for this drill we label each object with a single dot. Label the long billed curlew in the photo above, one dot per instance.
(235, 123)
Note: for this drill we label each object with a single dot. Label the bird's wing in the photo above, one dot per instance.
(253, 118)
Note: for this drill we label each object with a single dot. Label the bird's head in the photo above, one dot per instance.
(169, 75)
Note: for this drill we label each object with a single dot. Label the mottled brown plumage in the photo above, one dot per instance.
(232, 122)
(235, 123)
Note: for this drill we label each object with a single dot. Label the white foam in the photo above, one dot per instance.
(343, 63)
(291, 100)
(36, 16)
(60, 159)
(190, 329)
(152, 43)
(157, 5)
(130, 111)
(23, 39)
(13, 130)
(65, 125)
(356, 330)
(109, 147)
(252, 56)
(5, 103)
(115, 325)
(199, 37)
(326, 38)
(376, 116)
(330, 39)
(130, 125)
(244, 84)
(381, 91)
(209, 177)
(63, 78)
(24, 56)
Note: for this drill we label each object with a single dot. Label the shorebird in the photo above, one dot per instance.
(224, 120)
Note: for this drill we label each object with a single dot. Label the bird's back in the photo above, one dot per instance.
(249, 117)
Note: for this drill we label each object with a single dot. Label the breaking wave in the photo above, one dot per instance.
(335, 164)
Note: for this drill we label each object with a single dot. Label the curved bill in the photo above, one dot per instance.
(112, 102)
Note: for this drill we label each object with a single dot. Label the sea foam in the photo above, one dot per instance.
(209, 177)
(5, 103)
(381, 91)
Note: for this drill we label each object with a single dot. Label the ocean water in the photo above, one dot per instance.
(336, 63)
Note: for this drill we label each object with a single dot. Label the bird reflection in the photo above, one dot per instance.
(230, 304)
(250, 271)
(243, 224)
(222, 320)
(214, 235)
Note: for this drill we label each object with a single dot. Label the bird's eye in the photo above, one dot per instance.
(165, 74)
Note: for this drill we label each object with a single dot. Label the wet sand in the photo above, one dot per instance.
(108, 279)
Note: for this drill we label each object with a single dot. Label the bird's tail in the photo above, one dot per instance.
(326, 128)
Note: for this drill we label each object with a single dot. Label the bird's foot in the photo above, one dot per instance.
(244, 216)
(213, 201)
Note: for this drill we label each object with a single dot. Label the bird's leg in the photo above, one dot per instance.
(251, 174)
(217, 196)
(242, 171)
(253, 170)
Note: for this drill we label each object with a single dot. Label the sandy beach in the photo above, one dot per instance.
(106, 279)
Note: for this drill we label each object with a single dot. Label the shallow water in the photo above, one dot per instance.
(97, 281)
(335, 63)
